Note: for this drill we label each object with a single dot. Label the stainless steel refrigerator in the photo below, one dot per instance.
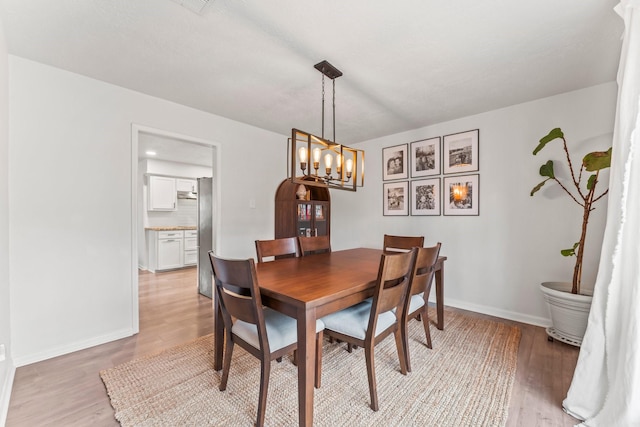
(205, 235)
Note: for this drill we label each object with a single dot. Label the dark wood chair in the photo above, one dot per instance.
(401, 243)
(371, 321)
(284, 247)
(314, 245)
(416, 303)
(262, 332)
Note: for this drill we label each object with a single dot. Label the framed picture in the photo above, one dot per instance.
(425, 157)
(461, 195)
(461, 152)
(395, 198)
(425, 197)
(394, 163)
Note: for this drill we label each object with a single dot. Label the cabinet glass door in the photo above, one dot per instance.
(320, 219)
(305, 225)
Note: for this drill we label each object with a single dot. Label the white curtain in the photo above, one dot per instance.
(605, 390)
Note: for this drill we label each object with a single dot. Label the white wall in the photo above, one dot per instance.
(497, 259)
(70, 236)
(70, 203)
(6, 366)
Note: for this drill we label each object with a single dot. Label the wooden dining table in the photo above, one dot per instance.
(313, 286)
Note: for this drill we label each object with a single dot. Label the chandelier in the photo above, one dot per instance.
(315, 157)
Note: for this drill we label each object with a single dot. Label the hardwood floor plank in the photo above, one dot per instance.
(67, 390)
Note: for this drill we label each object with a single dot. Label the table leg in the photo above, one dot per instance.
(218, 333)
(439, 273)
(306, 365)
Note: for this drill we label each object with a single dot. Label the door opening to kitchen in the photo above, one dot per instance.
(174, 207)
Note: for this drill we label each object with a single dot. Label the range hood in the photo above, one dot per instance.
(187, 195)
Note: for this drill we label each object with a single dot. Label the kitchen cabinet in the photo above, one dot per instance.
(309, 216)
(162, 193)
(190, 247)
(166, 250)
(190, 185)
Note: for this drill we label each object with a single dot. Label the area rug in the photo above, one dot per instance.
(465, 380)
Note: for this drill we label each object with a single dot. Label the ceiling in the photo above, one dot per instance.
(406, 64)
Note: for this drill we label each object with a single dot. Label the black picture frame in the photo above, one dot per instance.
(460, 152)
(394, 162)
(425, 157)
(461, 195)
(425, 197)
(395, 198)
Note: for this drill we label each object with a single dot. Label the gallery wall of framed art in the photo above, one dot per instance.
(438, 169)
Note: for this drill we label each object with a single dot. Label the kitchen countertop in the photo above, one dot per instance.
(173, 228)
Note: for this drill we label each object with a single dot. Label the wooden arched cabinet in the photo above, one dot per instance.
(310, 216)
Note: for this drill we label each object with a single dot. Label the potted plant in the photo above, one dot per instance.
(568, 306)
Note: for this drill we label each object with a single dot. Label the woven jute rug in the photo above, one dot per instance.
(465, 380)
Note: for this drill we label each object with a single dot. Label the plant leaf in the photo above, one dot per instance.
(591, 182)
(547, 169)
(553, 134)
(597, 160)
(570, 252)
(537, 187)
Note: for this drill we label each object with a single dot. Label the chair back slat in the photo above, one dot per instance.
(391, 286)
(314, 245)
(393, 244)
(285, 248)
(237, 289)
(424, 269)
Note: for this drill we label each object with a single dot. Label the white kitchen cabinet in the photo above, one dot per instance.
(162, 193)
(190, 247)
(166, 250)
(190, 185)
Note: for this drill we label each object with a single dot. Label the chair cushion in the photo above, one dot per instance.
(353, 321)
(417, 301)
(281, 330)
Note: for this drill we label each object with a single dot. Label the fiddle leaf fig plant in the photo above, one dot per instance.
(585, 197)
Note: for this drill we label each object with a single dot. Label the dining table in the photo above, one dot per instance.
(310, 287)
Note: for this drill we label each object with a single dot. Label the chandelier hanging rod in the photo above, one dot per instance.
(333, 73)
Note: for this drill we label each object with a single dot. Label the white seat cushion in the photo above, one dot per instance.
(281, 330)
(417, 301)
(353, 321)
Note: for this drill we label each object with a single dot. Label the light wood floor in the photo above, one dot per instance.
(67, 390)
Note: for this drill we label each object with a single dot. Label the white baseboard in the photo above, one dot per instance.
(496, 312)
(8, 372)
(70, 348)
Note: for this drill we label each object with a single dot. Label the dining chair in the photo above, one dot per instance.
(371, 321)
(416, 303)
(314, 245)
(394, 244)
(283, 247)
(262, 332)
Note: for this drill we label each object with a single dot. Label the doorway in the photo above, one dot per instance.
(165, 153)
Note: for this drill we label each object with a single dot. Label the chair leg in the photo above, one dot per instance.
(349, 347)
(371, 374)
(402, 353)
(265, 367)
(295, 357)
(319, 338)
(226, 364)
(427, 332)
(404, 332)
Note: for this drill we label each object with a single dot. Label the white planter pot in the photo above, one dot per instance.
(569, 312)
